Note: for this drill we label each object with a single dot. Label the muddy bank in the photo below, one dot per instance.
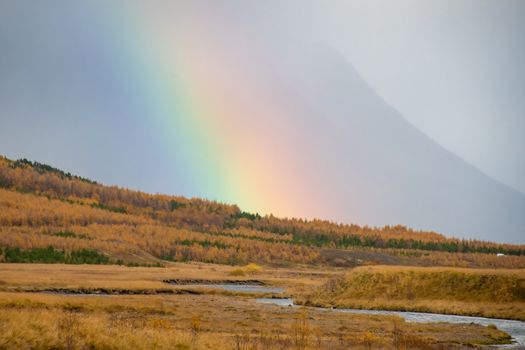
(107, 291)
(182, 282)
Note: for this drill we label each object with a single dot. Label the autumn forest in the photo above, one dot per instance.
(48, 215)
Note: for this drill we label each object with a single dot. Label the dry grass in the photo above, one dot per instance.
(207, 322)
(42, 329)
(489, 293)
(42, 276)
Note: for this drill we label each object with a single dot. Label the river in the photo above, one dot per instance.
(515, 328)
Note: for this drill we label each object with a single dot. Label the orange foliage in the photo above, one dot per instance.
(37, 201)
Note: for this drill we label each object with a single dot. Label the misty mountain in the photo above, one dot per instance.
(392, 172)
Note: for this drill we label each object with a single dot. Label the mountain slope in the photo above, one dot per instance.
(392, 172)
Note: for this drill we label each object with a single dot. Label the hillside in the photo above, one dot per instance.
(47, 215)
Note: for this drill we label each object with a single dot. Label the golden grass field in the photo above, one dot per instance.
(478, 292)
(22, 277)
(209, 320)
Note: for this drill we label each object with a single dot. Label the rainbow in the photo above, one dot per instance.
(220, 126)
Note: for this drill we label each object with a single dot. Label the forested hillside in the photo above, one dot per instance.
(48, 215)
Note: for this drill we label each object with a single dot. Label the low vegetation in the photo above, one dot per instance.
(188, 321)
(250, 269)
(52, 255)
(490, 293)
(80, 325)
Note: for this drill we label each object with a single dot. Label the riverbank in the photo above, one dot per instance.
(43, 321)
(470, 292)
(116, 307)
(514, 328)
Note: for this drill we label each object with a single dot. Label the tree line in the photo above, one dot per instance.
(37, 198)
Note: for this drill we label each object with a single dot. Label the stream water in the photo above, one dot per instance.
(515, 328)
(248, 288)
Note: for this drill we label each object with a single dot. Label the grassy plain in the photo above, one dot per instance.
(27, 277)
(208, 320)
(478, 292)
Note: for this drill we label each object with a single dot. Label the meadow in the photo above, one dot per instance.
(207, 319)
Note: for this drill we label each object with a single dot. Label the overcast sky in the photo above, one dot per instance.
(453, 68)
